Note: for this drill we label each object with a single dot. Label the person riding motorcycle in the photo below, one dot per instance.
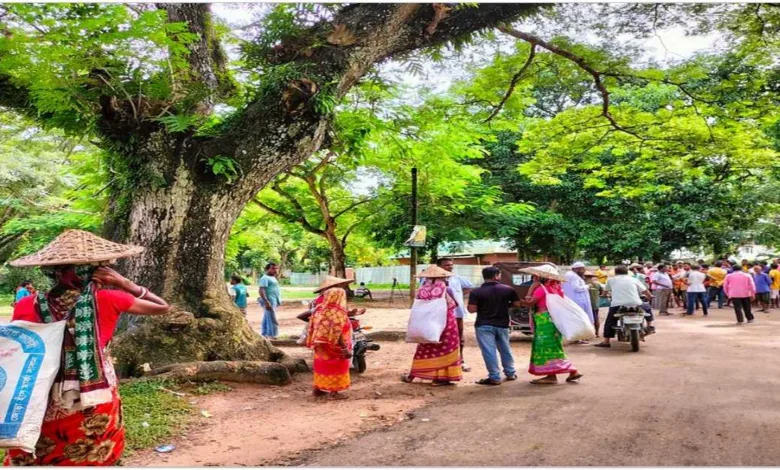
(625, 292)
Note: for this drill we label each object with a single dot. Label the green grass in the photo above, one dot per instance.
(144, 402)
(5, 304)
(165, 413)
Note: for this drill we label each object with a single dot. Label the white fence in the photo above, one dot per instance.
(385, 275)
(307, 279)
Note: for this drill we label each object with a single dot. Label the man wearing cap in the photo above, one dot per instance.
(577, 290)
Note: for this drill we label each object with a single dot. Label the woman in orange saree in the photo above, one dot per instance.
(330, 336)
(439, 362)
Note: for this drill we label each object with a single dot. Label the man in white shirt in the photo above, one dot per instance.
(459, 287)
(625, 291)
(662, 287)
(696, 290)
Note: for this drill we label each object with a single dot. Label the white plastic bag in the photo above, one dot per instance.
(570, 319)
(427, 320)
(29, 361)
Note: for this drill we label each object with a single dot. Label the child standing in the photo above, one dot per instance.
(238, 292)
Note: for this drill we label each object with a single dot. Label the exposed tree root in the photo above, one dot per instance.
(266, 373)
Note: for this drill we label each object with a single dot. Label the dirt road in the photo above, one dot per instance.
(701, 392)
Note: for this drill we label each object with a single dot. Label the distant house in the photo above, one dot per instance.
(474, 253)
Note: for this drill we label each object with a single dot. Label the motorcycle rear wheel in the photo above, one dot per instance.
(635, 340)
(360, 363)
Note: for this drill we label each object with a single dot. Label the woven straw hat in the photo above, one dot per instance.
(546, 271)
(77, 247)
(434, 271)
(332, 281)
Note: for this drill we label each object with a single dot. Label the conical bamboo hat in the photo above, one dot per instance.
(332, 281)
(434, 271)
(546, 271)
(77, 247)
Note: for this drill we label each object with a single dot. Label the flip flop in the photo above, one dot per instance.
(602, 345)
(574, 378)
(407, 379)
(511, 377)
(544, 381)
(442, 384)
(488, 382)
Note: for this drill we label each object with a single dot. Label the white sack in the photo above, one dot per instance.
(29, 361)
(427, 320)
(570, 319)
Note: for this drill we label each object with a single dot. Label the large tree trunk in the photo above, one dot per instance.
(184, 227)
(183, 214)
(338, 258)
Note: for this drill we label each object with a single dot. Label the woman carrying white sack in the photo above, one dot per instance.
(548, 358)
(83, 421)
(438, 362)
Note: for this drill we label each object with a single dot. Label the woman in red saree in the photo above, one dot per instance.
(83, 422)
(330, 336)
(438, 362)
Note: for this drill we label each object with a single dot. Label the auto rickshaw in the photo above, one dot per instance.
(519, 318)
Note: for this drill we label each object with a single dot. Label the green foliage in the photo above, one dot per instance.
(178, 123)
(48, 183)
(224, 167)
(68, 55)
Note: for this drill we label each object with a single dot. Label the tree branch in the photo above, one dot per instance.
(354, 226)
(207, 60)
(516, 78)
(583, 64)
(296, 204)
(352, 206)
(289, 217)
(262, 138)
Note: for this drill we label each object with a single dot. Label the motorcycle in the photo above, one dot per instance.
(631, 326)
(360, 342)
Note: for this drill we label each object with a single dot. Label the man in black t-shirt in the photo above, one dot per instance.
(491, 302)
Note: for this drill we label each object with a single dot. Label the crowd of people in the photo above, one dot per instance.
(660, 287)
(696, 286)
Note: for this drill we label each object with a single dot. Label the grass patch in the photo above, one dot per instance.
(144, 402)
(5, 305)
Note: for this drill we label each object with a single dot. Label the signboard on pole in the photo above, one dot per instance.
(417, 239)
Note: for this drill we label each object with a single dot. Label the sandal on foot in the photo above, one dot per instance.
(440, 383)
(574, 378)
(602, 345)
(511, 377)
(488, 382)
(545, 381)
(407, 378)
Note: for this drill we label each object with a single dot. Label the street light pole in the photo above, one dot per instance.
(413, 257)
